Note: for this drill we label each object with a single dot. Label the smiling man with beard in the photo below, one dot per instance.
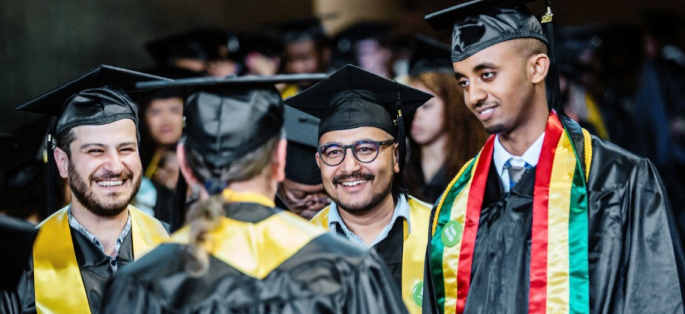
(96, 149)
(361, 157)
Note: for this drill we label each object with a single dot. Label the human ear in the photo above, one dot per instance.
(62, 162)
(183, 165)
(396, 158)
(539, 67)
(278, 161)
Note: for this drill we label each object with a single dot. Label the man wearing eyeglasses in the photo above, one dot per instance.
(361, 154)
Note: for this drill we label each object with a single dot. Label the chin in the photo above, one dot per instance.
(496, 129)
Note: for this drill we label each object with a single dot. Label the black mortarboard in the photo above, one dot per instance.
(302, 29)
(429, 55)
(353, 97)
(95, 98)
(479, 24)
(227, 118)
(200, 43)
(301, 131)
(15, 249)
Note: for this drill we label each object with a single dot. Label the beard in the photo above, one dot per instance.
(111, 206)
(369, 204)
(496, 129)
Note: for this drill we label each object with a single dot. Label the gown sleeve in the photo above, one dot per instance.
(125, 294)
(652, 260)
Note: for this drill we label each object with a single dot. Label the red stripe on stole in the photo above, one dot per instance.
(473, 208)
(537, 299)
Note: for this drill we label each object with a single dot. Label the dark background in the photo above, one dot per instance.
(44, 43)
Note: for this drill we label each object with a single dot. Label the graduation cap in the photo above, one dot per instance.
(429, 55)
(301, 30)
(15, 249)
(200, 43)
(353, 97)
(301, 132)
(95, 98)
(480, 24)
(226, 118)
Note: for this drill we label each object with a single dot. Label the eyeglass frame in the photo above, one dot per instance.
(351, 146)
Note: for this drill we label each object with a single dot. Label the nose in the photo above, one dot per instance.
(113, 164)
(349, 164)
(475, 94)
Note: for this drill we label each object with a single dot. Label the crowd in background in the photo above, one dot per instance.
(624, 83)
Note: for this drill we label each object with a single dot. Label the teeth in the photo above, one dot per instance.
(110, 183)
(486, 111)
(353, 183)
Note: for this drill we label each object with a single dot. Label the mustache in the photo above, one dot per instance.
(356, 175)
(484, 103)
(126, 174)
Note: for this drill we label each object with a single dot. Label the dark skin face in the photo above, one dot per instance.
(304, 200)
(302, 57)
(505, 89)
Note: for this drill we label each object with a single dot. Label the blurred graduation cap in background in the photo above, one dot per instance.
(343, 48)
(200, 44)
(301, 30)
(429, 55)
(301, 131)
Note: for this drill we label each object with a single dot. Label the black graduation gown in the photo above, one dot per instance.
(95, 270)
(635, 256)
(390, 249)
(327, 275)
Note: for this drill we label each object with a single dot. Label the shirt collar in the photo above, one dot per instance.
(531, 156)
(76, 225)
(401, 210)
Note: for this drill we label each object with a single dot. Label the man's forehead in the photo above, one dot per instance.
(494, 55)
(350, 136)
(118, 131)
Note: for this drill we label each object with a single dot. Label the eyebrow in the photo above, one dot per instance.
(99, 145)
(483, 66)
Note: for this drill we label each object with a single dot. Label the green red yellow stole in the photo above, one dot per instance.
(57, 278)
(559, 245)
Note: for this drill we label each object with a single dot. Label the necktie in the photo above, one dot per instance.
(515, 172)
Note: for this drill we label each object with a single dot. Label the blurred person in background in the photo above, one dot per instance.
(305, 50)
(302, 191)
(444, 135)
(659, 112)
(365, 44)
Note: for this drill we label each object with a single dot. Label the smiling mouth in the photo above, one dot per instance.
(353, 183)
(110, 183)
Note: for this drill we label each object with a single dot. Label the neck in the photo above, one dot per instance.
(105, 229)
(369, 224)
(433, 157)
(260, 185)
(517, 141)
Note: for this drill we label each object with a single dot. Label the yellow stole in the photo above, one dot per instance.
(255, 249)
(57, 279)
(414, 251)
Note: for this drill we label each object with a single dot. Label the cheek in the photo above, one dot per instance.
(153, 122)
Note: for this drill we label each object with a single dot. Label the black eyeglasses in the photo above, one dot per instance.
(365, 151)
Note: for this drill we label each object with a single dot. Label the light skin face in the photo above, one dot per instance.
(373, 57)
(506, 91)
(374, 178)
(164, 118)
(428, 121)
(104, 173)
(304, 200)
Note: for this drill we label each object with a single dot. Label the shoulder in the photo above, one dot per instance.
(163, 261)
(613, 167)
(415, 203)
(321, 218)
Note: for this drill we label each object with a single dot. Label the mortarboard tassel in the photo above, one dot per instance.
(552, 79)
(401, 139)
